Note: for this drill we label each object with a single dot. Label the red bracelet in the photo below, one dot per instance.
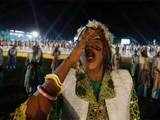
(46, 95)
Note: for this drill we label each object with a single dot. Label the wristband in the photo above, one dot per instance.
(46, 95)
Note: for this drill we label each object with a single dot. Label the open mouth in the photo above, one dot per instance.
(90, 55)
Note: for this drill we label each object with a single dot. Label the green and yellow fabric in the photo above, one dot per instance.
(113, 98)
(95, 93)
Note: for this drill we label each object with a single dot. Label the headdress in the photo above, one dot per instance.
(108, 36)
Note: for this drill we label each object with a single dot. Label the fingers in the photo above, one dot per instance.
(82, 42)
(90, 34)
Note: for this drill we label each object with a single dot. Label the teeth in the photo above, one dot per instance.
(90, 58)
(89, 55)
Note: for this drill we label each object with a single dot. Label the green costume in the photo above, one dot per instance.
(95, 93)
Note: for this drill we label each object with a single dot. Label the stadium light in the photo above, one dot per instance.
(35, 34)
(29, 36)
(70, 42)
(125, 41)
(75, 38)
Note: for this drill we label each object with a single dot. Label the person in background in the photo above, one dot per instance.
(134, 66)
(12, 54)
(1, 65)
(156, 76)
(116, 59)
(144, 77)
(55, 60)
(33, 76)
(124, 47)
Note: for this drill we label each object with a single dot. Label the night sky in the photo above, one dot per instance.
(139, 19)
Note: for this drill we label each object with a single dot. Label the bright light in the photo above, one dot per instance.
(35, 34)
(19, 35)
(17, 31)
(70, 41)
(75, 38)
(29, 36)
(125, 41)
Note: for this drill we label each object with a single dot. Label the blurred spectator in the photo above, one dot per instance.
(33, 74)
(12, 54)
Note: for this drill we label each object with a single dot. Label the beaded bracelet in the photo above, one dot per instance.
(46, 95)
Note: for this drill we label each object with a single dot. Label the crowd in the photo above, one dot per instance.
(129, 49)
(33, 63)
(126, 50)
(145, 68)
(143, 58)
(46, 46)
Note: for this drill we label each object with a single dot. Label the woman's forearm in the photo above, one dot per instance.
(53, 84)
(63, 69)
(62, 72)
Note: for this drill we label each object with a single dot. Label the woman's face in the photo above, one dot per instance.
(144, 53)
(93, 51)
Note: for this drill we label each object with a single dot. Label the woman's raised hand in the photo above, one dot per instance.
(78, 49)
(83, 40)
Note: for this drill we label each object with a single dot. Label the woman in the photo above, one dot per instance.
(96, 95)
(156, 76)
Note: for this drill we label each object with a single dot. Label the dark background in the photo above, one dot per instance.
(61, 18)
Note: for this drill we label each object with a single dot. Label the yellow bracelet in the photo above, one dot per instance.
(55, 78)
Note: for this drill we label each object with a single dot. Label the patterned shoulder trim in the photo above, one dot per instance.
(20, 112)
